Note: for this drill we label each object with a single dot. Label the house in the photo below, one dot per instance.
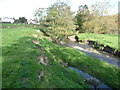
(31, 21)
(7, 20)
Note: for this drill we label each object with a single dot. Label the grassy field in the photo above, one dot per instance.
(14, 25)
(106, 39)
(20, 64)
(21, 68)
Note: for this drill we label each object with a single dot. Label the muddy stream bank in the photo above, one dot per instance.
(90, 51)
(94, 83)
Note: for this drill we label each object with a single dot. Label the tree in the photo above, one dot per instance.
(100, 8)
(21, 20)
(59, 20)
(97, 23)
(83, 15)
(39, 14)
(79, 21)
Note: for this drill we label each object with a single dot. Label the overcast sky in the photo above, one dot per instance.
(26, 8)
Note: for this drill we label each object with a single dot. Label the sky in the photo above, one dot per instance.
(26, 8)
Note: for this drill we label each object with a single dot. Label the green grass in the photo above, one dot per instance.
(14, 25)
(0, 70)
(20, 66)
(106, 39)
(107, 73)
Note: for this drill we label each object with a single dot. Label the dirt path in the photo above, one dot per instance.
(94, 53)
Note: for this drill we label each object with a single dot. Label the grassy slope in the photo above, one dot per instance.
(21, 68)
(100, 69)
(106, 39)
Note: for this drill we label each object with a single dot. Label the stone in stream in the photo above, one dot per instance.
(117, 53)
(108, 49)
(91, 42)
(76, 38)
(80, 40)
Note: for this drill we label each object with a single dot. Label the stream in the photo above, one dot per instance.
(90, 51)
(89, 77)
(96, 54)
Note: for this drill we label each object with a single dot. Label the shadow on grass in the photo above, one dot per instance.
(21, 68)
(19, 62)
(105, 72)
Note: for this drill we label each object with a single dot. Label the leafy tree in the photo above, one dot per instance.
(83, 15)
(21, 20)
(16, 21)
(100, 8)
(97, 22)
(79, 21)
(59, 20)
(39, 14)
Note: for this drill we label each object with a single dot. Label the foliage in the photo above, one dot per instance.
(82, 16)
(21, 20)
(96, 19)
(102, 25)
(99, 27)
(59, 20)
(79, 21)
(100, 8)
(39, 14)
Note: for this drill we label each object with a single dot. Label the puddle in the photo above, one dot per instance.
(88, 77)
